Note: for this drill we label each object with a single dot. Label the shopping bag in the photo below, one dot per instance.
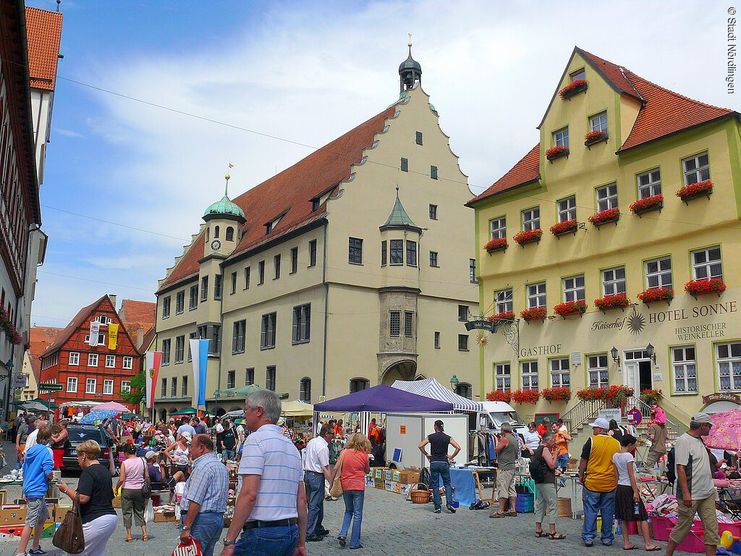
(149, 511)
(69, 535)
(191, 548)
(335, 490)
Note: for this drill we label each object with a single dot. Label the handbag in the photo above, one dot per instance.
(69, 536)
(335, 491)
(147, 488)
(191, 548)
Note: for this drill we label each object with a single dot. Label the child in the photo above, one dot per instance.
(628, 504)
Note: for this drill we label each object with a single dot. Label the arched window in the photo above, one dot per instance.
(216, 232)
(464, 389)
(230, 234)
(207, 230)
(304, 393)
(358, 384)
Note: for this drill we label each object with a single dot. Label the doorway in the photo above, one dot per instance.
(645, 381)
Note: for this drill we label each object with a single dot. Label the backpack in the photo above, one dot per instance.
(671, 473)
(538, 468)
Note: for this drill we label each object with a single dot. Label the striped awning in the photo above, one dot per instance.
(431, 388)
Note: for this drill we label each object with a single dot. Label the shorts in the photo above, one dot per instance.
(36, 512)
(505, 484)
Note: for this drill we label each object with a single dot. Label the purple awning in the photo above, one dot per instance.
(383, 399)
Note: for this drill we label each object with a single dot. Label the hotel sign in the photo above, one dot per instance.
(723, 397)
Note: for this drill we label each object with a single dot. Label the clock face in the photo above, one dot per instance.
(215, 245)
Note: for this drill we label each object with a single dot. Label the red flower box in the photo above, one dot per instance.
(557, 394)
(697, 189)
(499, 396)
(617, 393)
(504, 315)
(573, 88)
(569, 308)
(617, 301)
(16, 339)
(652, 295)
(594, 136)
(704, 287)
(496, 244)
(563, 228)
(655, 202)
(528, 236)
(526, 396)
(556, 152)
(534, 313)
(605, 216)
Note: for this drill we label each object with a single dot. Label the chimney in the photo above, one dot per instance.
(112, 297)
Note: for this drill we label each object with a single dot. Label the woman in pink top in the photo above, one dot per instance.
(131, 482)
(355, 465)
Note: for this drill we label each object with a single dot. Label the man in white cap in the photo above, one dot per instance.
(695, 488)
(598, 475)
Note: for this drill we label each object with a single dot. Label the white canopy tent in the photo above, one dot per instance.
(431, 388)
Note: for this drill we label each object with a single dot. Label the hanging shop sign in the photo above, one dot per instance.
(481, 325)
(721, 397)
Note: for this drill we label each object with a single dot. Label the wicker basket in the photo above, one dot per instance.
(420, 494)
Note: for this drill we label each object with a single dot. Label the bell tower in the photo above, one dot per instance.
(410, 71)
(224, 219)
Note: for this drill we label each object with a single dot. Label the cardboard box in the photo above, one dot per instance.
(379, 473)
(369, 481)
(388, 486)
(389, 475)
(60, 512)
(409, 477)
(164, 518)
(12, 514)
(379, 483)
(395, 476)
(397, 487)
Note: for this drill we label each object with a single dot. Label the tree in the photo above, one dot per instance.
(138, 388)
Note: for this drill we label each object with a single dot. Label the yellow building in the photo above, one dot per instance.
(352, 267)
(614, 152)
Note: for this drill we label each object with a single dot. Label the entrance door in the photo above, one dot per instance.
(645, 381)
(632, 374)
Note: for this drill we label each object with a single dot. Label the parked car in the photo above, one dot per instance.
(78, 434)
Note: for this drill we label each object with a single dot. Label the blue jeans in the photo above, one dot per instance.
(315, 494)
(227, 454)
(353, 511)
(604, 503)
(562, 462)
(268, 541)
(206, 529)
(440, 469)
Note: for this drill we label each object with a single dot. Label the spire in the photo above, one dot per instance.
(227, 177)
(224, 208)
(399, 217)
(410, 71)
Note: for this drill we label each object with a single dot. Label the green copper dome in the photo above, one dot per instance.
(399, 218)
(224, 208)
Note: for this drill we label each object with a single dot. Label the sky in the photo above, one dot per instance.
(126, 182)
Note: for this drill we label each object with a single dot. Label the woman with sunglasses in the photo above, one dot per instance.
(532, 440)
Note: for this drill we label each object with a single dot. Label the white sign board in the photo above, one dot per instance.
(611, 413)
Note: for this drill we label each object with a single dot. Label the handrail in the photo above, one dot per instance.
(645, 410)
(581, 413)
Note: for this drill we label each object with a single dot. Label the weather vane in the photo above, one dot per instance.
(227, 177)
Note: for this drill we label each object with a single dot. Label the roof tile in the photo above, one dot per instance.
(44, 34)
(526, 170)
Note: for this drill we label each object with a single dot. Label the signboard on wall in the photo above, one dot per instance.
(611, 413)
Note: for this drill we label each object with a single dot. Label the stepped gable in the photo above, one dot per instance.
(525, 171)
(187, 264)
(43, 35)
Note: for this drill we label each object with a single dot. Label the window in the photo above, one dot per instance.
(191, 336)
(231, 379)
(166, 351)
(404, 165)
(659, 273)
(597, 371)
(433, 172)
(529, 372)
(464, 389)
(729, 366)
(302, 323)
(498, 228)
(531, 219)
(128, 362)
(355, 251)
(561, 137)
(107, 387)
(573, 288)
(179, 349)
(502, 376)
(411, 253)
(216, 231)
(163, 388)
(613, 281)
(696, 168)
(433, 259)
(649, 183)
(166, 307)
(598, 122)
(384, 253)
(706, 264)
(567, 209)
(294, 260)
(184, 388)
(92, 359)
(607, 197)
(217, 286)
(260, 273)
(358, 384)
(578, 74)
(304, 390)
(503, 300)
(270, 378)
(193, 300)
(247, 277)
(462, 313)
(397, 251)
(418, 137)
(110, 361)
(394, 323)
(462, 342)
(90, 385)
(71, 384)
(472, 271)
(684, 369)
(238, 333)
(204, 288)
(408, 324)
(276, 267)
(315, 204)
(267, 331)
(560, 372)
(180, 302)
(74, 358)
(312, 252)
(433, 212)
(174, 387)
(436, 341)
(101, 339)
(230, 234)
(536, 295)
(249, 376)
(233, 288)
(125, 386)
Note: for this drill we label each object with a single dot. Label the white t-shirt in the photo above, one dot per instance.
(621, 461)
(317, 455)
(31, 439)
(691, 452)
(532, 439)
(219, 428)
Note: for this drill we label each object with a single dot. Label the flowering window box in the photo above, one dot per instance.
(605, 217)
(557, 394)
(569, 308)
(556, 152)
(654, 295)
(16, 339)
(705, 287)
(504, 315)
(526, 396)
(567, 227)
(499, 396)
(617, 301)
(496, 244)
(642, 206)
(694, 190)
(574, 88)
(528, 236)
(534, 313)
(614, 393)
(595, 136)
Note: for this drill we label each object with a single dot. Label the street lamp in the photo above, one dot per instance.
(615, 355)
(651, 352)
(454, 382)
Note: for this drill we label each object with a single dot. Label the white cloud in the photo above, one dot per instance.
(68, 132)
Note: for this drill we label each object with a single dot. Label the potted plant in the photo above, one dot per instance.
(647, 204)
(649, 396)
(569, 308)
(619, 393)
(526, 396)
(705, 287)
(499, 396)
(590, 394)
(567, 227)
(528, 236)
(653, 295)
(556, 152)
(594, 136)
(616, 301)
(556, 394)
(534, 313)
(496, 244)
(504, 315)
(574, 88)
(694, 190)
(605, 217)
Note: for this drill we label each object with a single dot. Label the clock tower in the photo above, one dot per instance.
(224, 220)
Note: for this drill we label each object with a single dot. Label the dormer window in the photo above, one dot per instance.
(578, 74)
(268, 228)
(315, 204)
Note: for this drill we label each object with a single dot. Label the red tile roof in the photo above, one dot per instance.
(43, 33)
(73, 325)
(137, 314)
(41, 337)
(612, 73)
(525, 171)
(290, 193)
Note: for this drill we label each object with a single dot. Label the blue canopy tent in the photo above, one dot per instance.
(384, 399)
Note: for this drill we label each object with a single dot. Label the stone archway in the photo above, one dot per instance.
(405, 369)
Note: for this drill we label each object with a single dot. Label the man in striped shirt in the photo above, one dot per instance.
(271, 507)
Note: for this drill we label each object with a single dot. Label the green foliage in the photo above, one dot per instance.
(138, 389)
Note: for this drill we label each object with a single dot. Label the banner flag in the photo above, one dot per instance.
(153, 361)
(94, 332)
(112, 336)
(199, 355)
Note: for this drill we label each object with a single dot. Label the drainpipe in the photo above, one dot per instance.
(326, 309)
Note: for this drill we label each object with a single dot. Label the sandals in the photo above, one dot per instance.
(129, 539)
(555, 536)
(541, 534)
(145, 538)
(654, 548)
